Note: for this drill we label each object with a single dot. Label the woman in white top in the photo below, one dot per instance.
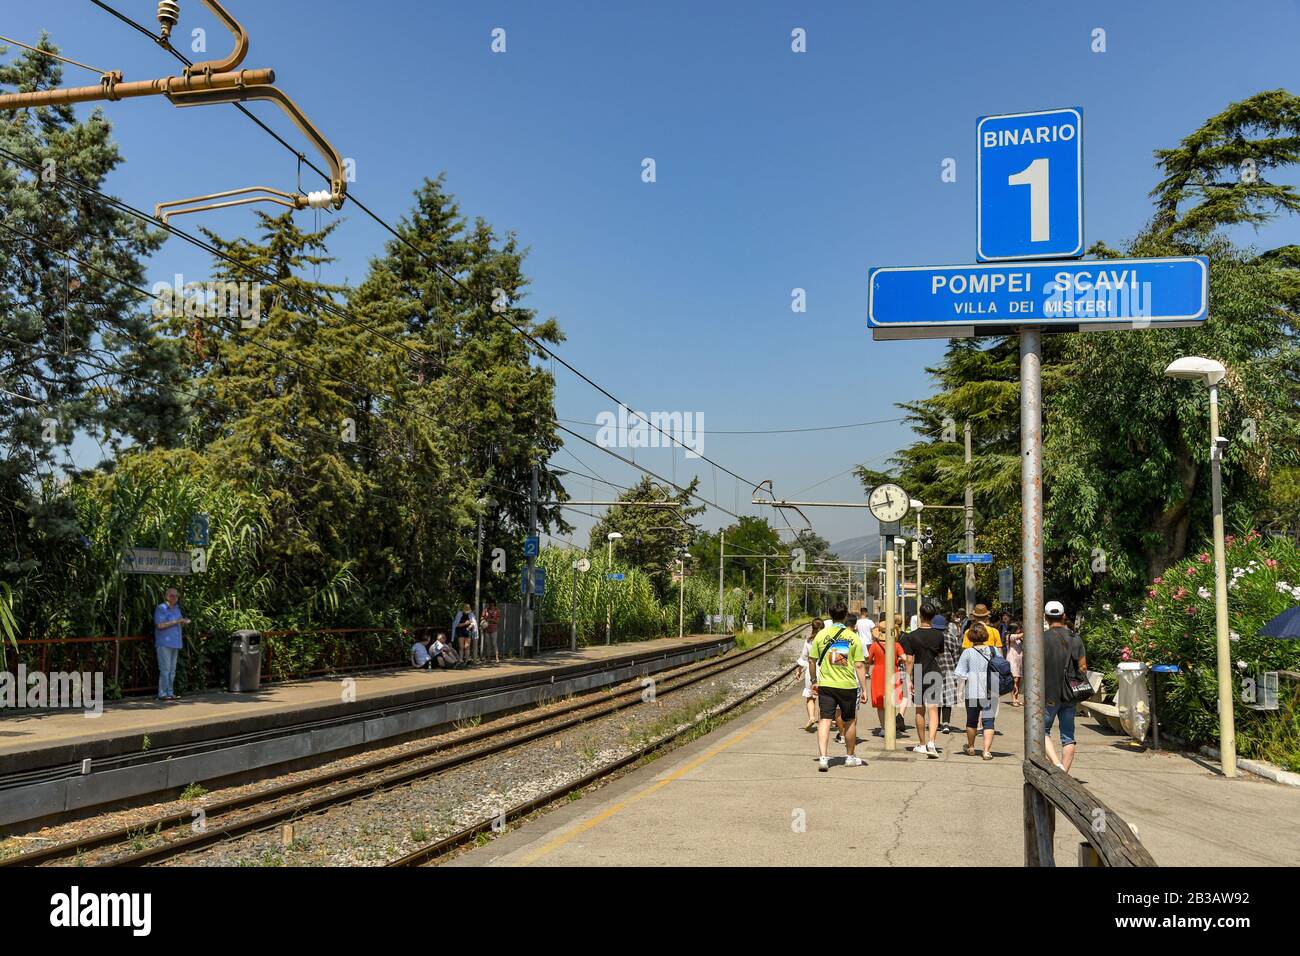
(981, 699)
(806, 663)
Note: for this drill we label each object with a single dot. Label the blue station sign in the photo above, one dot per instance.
(964, 558)
(1029, 180)
(1000, 298)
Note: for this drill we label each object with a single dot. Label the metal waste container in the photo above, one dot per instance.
(1134, 699)
(246, 662)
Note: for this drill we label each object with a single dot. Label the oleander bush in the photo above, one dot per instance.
(1174, 624)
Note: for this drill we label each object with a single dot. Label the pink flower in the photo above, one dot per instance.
(1158, 581)
(1191, 609)
(1203, 558)
(1270, 562)
(1231, 538)
(1151, 593)
(1180, 594)
(1123, 655)
(1191, 572)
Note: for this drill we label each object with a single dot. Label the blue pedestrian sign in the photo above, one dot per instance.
(999, 298)
(970, 559)
(1029, 182)
(539, 581)
(532, 546)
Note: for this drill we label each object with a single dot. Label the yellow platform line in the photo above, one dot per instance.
(677, 774)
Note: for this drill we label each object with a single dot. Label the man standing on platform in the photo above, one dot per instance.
(167, 622)
(923, 647)
(839, 680)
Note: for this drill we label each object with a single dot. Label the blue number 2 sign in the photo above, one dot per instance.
(1029, 177)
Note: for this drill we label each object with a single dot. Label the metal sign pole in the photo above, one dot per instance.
(1039, 814)
(970, 529)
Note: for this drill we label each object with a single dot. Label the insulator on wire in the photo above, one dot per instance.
(319, 199)
(169, 14)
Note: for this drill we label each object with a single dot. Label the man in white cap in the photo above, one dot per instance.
(1063, 652)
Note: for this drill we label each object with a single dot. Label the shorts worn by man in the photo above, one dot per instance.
(840, 681)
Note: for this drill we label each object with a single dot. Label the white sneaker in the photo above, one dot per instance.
(1060, 766)
(823, 764)
(852, 761)
(931, 750)
(919, 749)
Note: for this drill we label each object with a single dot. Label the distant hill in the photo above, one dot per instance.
(854, 549)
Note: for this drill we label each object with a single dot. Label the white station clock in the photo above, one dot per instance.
(889, 502)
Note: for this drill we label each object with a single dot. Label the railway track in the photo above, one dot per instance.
(249, 813)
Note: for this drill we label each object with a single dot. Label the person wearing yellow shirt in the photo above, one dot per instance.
(838, 682)
(979, 617)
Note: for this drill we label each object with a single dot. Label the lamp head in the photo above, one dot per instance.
(613, 536)
(1193, 366)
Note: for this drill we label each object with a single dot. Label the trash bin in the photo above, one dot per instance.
(246, 662)
(1134, 699)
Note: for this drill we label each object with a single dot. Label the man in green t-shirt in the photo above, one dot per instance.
(839, 679)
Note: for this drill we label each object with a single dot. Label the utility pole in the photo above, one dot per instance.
(970, 530)
(764, 627)
(530, 585)
(722, 554)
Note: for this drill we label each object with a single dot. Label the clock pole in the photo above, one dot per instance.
(891, 587)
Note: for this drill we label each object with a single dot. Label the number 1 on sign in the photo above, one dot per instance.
(1035, 177)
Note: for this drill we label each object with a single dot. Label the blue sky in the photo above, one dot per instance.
(775, 171)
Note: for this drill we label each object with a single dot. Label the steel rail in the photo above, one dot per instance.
(270, 818)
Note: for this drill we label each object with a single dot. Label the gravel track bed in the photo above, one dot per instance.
(139, 817)
(390, 824)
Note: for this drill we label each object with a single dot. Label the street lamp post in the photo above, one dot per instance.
(918, 507)
(609, 569)
(681, 591)
(1212, 372)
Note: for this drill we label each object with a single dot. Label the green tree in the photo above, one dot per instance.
(79, 351)
(451, 290)
(652, 537)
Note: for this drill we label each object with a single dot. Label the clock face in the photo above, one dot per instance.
(889, 502)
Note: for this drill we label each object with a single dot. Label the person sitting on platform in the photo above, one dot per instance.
(420, 656)
(444, 655)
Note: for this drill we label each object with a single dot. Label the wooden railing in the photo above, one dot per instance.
(1048, 789)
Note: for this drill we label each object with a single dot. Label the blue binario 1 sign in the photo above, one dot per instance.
(1029, 180)
(1000, 298)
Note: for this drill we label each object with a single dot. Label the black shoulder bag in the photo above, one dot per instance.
(1076, 687)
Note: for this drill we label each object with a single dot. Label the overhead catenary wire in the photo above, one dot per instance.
(537, 344)
(770, 431)
(53, 55)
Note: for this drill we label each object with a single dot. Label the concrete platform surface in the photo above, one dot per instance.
(30, 739)
(751, 795)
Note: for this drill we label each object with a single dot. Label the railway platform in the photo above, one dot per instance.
(751, 795)
(142, 746)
